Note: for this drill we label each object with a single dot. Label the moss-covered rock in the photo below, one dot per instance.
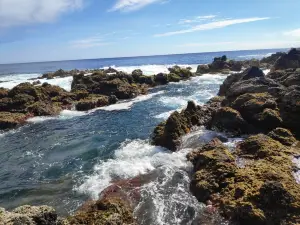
(3, 92)
(282, 135)
(168, 134)
(214, 166)
(41, 108)
(172, 77)
(261, 191)
(228, 119)
(11, 120)
(184, 73)
(29, 215)
(112, 211)
(91, 102)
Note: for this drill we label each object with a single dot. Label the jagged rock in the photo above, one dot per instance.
(29, 215)
(228, 119)
(3, 92)
(44, 109)
(36, 82)
(272, 58)
(161, 79)
(214, 167)
(202, 69)
(91, 102)
(260, 192)
(288, 60)
(282, 135)
(119, 85)
(11, 120)
(172, 77)
(110, 211)
(167, 134)
(184, 73)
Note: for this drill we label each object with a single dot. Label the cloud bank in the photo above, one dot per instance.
(213, 25)
(22, 12)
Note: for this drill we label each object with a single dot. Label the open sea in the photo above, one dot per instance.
(65, 160)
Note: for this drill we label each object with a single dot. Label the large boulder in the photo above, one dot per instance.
(252, 185)
(110, 211)
(91, 102)
(214, 167)
(288, 60)
(11, 120)
(282, 135)
(168, 134)
(29, 215)
(230, 120)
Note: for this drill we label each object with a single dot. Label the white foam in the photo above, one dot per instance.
(256, 56)
(126, 105)
(266, 71)
(174, 102)
(65, 114)
(133, 158)
(164, 115)
(13, 80)
(151, 69)
(297, 173)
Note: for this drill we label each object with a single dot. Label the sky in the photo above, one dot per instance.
(53, 30)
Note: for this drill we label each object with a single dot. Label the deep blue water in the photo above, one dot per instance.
(66, 160)
(194, 58)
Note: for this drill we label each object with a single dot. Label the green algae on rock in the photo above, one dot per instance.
(262, 191)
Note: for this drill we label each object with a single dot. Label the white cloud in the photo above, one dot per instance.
(89, 42)
(22, 12)
(131, 5)
(206, 17)
(196, 19)
(213, 25)
(293, 33)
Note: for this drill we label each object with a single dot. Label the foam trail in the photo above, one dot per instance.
(133, 158)
(297, 173)
(126, 105)
(65, 114)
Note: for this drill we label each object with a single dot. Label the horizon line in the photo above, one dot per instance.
(124, 57)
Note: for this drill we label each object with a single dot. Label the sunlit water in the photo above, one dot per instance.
(64, 160)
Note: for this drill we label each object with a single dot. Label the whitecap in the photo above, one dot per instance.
(151, 69)
(297, 173)
(65, 114)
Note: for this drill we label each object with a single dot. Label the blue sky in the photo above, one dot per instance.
(47, 30)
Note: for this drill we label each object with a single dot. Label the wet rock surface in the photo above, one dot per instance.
(264, 190)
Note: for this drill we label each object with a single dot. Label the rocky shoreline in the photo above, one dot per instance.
(253, 183)
(97, 88)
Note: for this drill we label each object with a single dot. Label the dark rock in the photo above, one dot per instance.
(282, 135)
(230, 120)
(161, 79)
(11, 120)
(92, 102)
(3, 92)
(289, 60)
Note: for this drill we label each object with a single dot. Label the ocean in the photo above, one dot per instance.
(66, 160)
